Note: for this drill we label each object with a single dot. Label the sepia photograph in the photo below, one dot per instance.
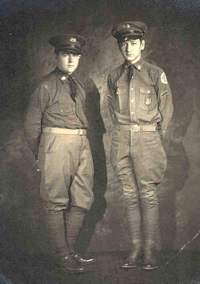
(99, 142)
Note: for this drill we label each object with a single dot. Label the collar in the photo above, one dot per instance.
(62, 75)
(138, 65)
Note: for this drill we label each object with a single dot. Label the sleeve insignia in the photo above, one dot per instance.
(163, 78)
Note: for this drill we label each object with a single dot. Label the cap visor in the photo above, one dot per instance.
(69, 50)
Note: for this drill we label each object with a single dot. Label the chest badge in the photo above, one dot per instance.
(148, 101)
(117, 91)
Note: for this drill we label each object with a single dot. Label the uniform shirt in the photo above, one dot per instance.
(145, 99)
(51, 105)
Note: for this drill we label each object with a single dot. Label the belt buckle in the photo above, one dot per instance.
(80, 131)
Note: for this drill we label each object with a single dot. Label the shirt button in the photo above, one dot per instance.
(61, 110)
(132, 100)
(132, 112)
(131, 89)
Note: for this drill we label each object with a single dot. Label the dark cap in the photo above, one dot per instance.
(133, 29)
(68, 42)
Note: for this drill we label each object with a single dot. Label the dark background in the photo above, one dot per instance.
(25, 56)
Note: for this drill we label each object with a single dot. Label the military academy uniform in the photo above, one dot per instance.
(56, 131)
(140, 103)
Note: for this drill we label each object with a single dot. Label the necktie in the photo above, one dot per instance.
(78, 99)
(72, 86)
(130, 72)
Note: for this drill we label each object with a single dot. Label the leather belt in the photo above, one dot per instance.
(67, 131)
(139, 128)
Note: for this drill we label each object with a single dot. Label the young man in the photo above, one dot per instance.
(140, 104)
(56, 131)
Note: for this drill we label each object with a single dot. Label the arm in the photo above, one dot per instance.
(108, 100)
(165, 101)
(33, 118)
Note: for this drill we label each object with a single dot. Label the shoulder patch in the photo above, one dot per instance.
(163, 78)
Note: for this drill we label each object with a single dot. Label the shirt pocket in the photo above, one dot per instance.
(66, 106)
(122, 96)
(148, 98)
(54, 107)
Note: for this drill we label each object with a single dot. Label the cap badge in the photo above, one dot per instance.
(128, 26)
(73, 39)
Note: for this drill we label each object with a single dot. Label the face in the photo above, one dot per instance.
(67, 62)
(131, 49)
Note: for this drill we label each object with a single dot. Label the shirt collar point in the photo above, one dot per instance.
(137, 65)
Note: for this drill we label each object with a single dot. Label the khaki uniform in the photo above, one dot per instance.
(52, 123)
(141, 109)
(56, 131)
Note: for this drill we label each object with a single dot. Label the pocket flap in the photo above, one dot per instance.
(145, 91)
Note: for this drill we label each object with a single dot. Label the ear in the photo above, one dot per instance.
(142, 44)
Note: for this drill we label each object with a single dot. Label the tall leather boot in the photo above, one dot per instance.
(150, 257)
(133, 259)
(75, 220)
(134, 224)
(150, 223)
(56, 229)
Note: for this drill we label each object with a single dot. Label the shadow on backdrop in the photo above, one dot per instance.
(95, 135)
(174, 180)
